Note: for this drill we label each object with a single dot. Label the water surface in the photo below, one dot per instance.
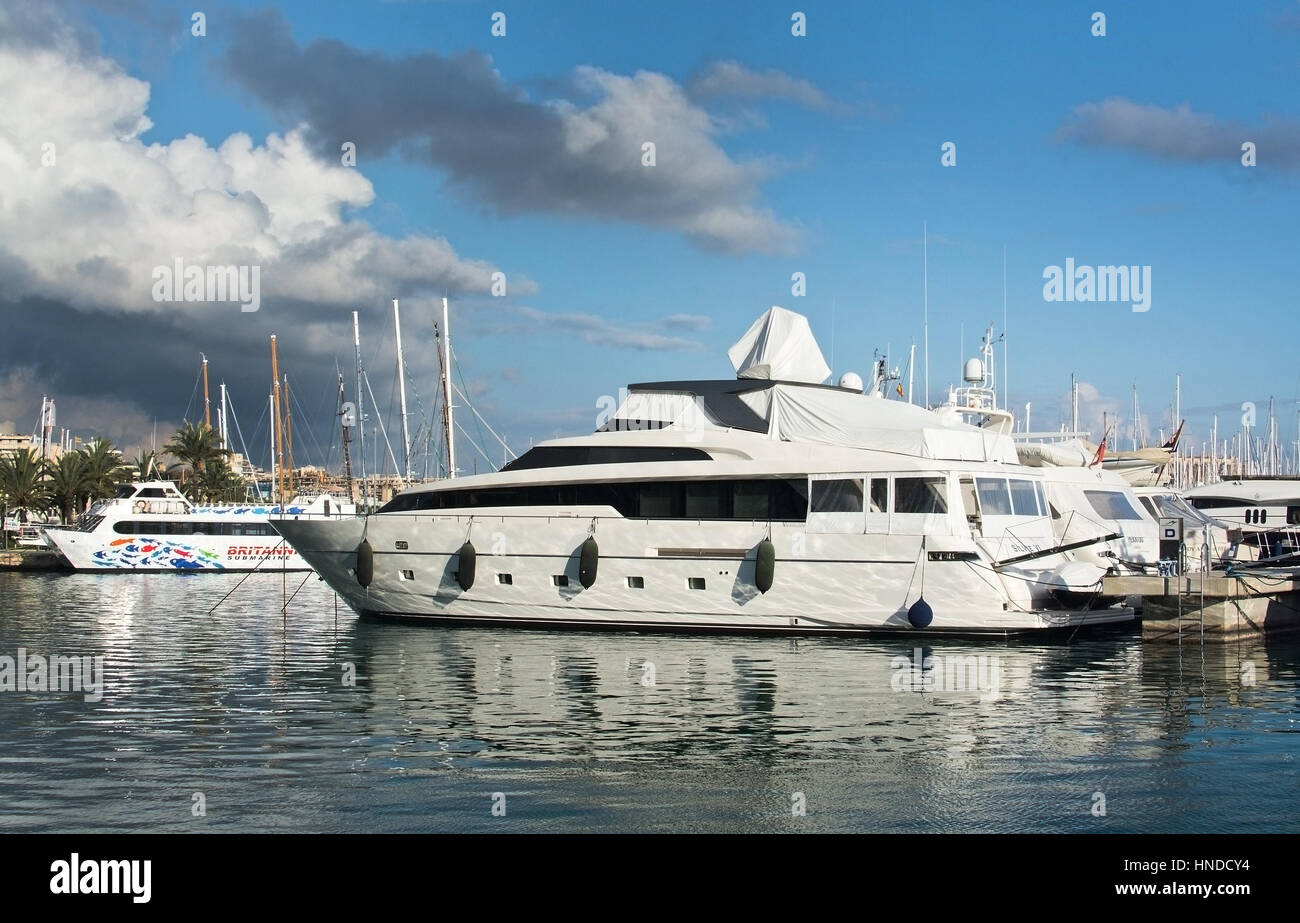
(310, 719)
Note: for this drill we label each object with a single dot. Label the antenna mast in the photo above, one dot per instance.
(925, 281)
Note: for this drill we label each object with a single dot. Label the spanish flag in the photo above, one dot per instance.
(899, 388)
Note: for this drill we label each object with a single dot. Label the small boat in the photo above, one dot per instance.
(151, 526)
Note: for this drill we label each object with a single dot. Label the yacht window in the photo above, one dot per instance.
(837, 496)
(704, 500)
(1111, 504)
(153, 492)
(124, 491)
(920, 495)
(1150, 507)
(655, 501)
(1042, 497)
(767, 498)
(880, 495)
(1024, 501)
(994, 498)
(749, 500)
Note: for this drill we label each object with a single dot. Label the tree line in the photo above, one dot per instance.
(69, 484)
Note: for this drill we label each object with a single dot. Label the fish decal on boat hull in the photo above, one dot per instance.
(153, 553)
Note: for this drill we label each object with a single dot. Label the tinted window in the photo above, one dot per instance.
(704, 500)
(556, 456)
(994, 498)
(880, 495)
(1111, 504)
(1024, 499)
(655, 501)
(920, 495)
(837, 496)
(766, 498)
(749, 500)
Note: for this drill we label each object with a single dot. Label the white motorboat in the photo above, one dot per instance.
(1266, 508)
(151, 526)
(771, 502)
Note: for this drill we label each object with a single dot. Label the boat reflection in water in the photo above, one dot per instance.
(313, 721)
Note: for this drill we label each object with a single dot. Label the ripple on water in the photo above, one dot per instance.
(590, 731)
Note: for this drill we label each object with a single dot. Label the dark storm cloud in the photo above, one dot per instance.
(457, 114)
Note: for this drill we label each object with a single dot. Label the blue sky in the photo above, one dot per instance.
(854, 177)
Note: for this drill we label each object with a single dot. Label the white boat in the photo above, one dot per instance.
(1266, 508)
(1207, 542)
(151, 526)
(767, 503)
(1094, 510)
(27, 528)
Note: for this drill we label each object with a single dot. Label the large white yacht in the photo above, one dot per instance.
(767, 502)
(151, 526)
(1266, 508)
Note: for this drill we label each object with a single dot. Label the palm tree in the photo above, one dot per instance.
(22, 484)
(217, 483)
(104, 469)
(147, 464)
(68, 483)
(194, 445)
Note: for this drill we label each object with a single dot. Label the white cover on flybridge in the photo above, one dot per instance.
(1070, 454)
(847, 418)
(779, 347)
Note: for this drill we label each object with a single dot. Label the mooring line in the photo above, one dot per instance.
(248, 574)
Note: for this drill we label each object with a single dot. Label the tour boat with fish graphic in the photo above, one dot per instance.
(151, 526)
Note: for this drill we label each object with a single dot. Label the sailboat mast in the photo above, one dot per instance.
(207, 404)
(911, 372)
(446, 393)
(361, 416)
(347, 438)
(288, 437)
(221, 419)
(1074, 404)
(277, 423)
(401, 391)
(270, 405)
(1135, 417)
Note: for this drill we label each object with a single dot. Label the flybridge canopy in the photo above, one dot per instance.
(779, 347)
(779, 394)
(797, 412)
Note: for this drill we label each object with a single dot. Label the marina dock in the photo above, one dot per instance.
(30, 560)
(1214, 608)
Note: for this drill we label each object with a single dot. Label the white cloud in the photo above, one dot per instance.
(90, 227)
(732, 79)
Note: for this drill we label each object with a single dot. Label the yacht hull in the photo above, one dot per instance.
(675, 576)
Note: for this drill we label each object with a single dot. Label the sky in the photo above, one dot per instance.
(127, 142)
